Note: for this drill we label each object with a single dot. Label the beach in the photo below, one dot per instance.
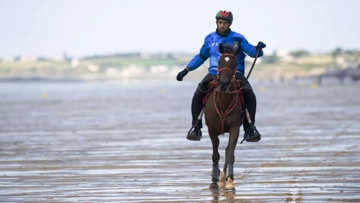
(125, 141)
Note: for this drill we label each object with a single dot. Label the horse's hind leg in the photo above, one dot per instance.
(215, 159)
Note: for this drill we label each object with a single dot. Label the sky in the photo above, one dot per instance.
(82, 28)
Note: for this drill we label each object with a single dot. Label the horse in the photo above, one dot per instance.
(224, 113)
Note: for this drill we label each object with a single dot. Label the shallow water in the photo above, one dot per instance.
(125, 142)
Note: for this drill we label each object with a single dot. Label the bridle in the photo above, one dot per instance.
(236, 91)
(227, 68)
(232, 73)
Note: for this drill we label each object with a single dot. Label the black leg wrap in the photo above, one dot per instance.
(230, 171)
(215, 173)
(215, 177)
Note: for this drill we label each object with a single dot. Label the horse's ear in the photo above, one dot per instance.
(237, 51)
(221, 48)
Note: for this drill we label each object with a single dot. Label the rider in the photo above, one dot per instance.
(209, 49)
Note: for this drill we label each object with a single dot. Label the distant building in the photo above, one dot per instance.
(28, 59)
(74, 63)
(282, 52)
(8, 59)
(57, 58)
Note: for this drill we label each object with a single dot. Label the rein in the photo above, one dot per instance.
(230, 108)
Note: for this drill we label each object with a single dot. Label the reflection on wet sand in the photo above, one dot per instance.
(125, 142)
(222, 194)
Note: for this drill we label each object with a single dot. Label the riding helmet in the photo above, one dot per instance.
(225, 15)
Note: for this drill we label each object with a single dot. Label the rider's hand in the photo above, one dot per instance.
(261, 45)
(182, 74)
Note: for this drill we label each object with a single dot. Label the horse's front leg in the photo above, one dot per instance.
(222, 177)
(215, 158)
(230, 157)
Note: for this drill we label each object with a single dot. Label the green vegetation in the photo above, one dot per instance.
(303, 63)
(292, 64)
(139, 60)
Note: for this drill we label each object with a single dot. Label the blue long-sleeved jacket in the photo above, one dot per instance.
(210, 49)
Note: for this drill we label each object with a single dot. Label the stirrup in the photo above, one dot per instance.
(252, 135)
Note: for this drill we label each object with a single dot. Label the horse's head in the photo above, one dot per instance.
(227, 65)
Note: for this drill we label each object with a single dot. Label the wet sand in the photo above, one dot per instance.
(125, 142)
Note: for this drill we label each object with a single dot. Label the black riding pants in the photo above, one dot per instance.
(200, 92)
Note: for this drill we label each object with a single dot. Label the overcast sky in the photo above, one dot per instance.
(88, 27)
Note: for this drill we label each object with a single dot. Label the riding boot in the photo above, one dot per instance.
(195, 134)
(251, 133)
(245, 86)
(196, 107)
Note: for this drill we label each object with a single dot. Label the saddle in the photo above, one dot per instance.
(207, 88)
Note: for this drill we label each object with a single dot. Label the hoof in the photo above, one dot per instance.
(221, 182)
(230, 185)
(213, 186)
(230, 189)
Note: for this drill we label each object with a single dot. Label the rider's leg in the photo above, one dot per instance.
(251, 133)
(250, 104)
(196, 107)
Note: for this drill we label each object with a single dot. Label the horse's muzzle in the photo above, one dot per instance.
(223, 86)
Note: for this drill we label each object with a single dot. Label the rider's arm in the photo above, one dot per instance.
(200, 58)
(249, 49)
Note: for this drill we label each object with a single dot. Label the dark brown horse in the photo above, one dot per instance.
(223, 113)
